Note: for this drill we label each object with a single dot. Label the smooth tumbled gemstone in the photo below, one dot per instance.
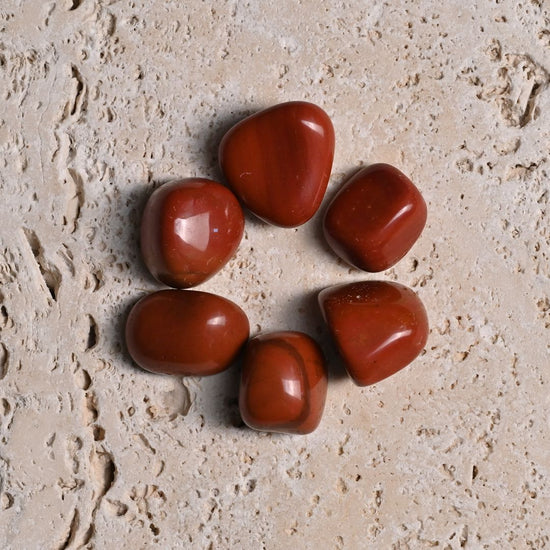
(379, 327)
(185, 332)
(189, 231)
(283, 383)
(278, 161)
(375, 218)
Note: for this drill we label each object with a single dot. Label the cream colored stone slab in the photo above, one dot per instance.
(100, 101)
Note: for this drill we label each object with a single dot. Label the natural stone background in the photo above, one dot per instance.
(100, 101)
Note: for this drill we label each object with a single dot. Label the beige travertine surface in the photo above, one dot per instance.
(100, 101)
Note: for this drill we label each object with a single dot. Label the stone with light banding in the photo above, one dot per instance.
(278, 161)
(283, 383)
(185, 332)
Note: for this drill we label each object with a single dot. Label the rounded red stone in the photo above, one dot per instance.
(185, 332)
(375, 218)
(189, 231)
(379, 327)
(283, 383)
(278, 161)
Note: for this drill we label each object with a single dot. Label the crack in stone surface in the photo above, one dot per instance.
(51, 276)
(4, 360)
(72, 531)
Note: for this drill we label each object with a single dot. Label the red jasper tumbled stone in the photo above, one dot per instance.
(379, 327)
(189, 231)
(278, 161)
(375, 218)
(283, 383)
(185, 332)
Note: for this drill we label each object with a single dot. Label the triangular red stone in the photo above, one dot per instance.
(278, 161)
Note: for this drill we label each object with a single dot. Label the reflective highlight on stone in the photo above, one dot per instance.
(185, 332)
(278, 161)
(283, 383)
(375, 218)
(189, 231)
(379, 327)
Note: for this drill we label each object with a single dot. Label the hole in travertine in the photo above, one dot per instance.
(250, 485)
(5, 407)
(474, 472)
(86, 381)
(94, 280)
(116, 508)
(71, 531)
(4, 360)
(52, 288)
(82, 378)
(92, 333)
(79, 87)
(90, 408)
(50, 273)
(75, 4)
(110, 472)
(6, 501)
(85, 538)
(97, 277)
(103, 471)
(75, 191)
(33, 241)
(98, 433)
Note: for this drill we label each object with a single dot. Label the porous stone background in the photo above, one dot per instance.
(100, 102)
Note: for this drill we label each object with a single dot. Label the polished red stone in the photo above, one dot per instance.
(189, 231)
(375, 218)
(283, 383)
(278, 161)
(185, 332)
(379, 327)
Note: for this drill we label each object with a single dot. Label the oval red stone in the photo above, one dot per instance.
(278, 161)
(189, 231)
(185, 332)
(379, 327)
(375, 218)
(283, 383)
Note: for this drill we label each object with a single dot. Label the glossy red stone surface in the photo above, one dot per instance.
(278, 161)
(375, 218)
(185, 332)
(379, 327)
(283, 383)
(189, 231)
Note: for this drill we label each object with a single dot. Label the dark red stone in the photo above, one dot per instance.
(379, 327)
(375, 218)
(278, 161)
(283, 383)
(185, 332)
(189, 231)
